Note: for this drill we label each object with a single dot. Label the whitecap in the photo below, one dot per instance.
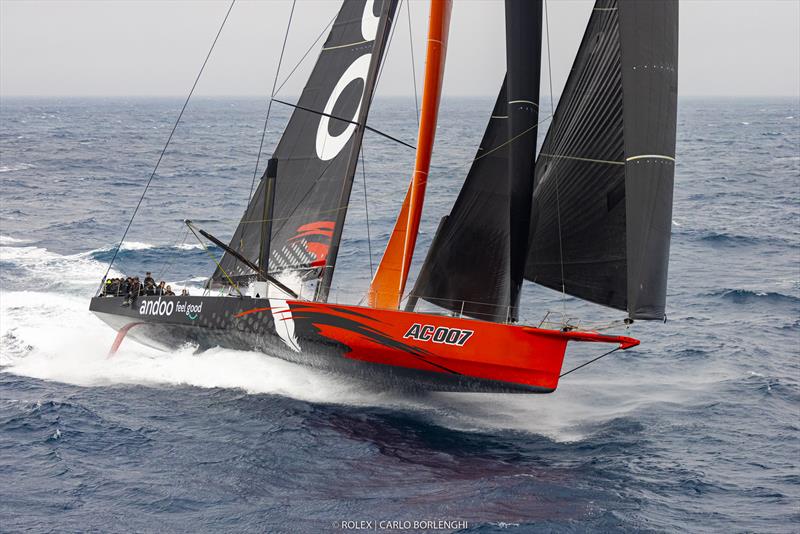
(8, 240)
(45, 269)
(51, 335)
(189, 246)
(136, 245)
(17, 167)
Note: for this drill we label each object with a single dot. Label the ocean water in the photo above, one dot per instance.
(695, 430)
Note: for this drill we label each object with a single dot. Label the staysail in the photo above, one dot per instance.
(476, 262)
(604, 176)
(315, 160)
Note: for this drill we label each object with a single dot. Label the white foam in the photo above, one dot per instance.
(44, 269)
(52, 336)
(55, 337)
(17, 167)
(136, 245)
(8, 240)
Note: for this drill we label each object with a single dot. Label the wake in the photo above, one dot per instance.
(51, 335)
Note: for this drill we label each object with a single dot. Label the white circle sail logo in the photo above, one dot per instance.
(329, 146)
(369, 22)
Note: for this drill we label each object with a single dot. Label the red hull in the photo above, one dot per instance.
(512, 354)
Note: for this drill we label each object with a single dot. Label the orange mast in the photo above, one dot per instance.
(387, 287)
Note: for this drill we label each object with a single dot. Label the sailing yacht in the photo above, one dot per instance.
(589, 215)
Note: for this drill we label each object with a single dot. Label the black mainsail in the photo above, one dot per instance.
(604, 176)
(315, 161)
(476, 262)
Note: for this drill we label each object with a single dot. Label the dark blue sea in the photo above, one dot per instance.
(698, 429)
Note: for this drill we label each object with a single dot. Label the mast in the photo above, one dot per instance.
(266, 222)
(389, 283)
(523, 62)
(476, 261)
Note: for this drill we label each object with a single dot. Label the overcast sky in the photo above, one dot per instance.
(92, 48)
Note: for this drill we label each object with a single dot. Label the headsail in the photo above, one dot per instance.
(317, 155)
(604, 177)
(476, 263)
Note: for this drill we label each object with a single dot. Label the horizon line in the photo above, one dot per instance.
(257, 96)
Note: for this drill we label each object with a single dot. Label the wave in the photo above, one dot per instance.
(723, 238)
(17, 167)
(40, 268)
(748, 296)
(729, 239)
(189, 246)
(80, 224)
(78, 274)
(152, 254)
(39, 339)
(8, 240)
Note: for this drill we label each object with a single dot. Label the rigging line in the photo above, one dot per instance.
(386, 53)
(370, 128)
(233, 284)
(558, 202)
(366, 210)
(383, 59)
(300, 203)
(255, 268)
(498, 147)
(269, 105)
(576, 158)
(300, 62)
(167, 265)
(590, 361)
(549, 61)
(164, 150)
(413, 68)
(272, 219)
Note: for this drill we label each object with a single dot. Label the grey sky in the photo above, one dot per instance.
(83, 48)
